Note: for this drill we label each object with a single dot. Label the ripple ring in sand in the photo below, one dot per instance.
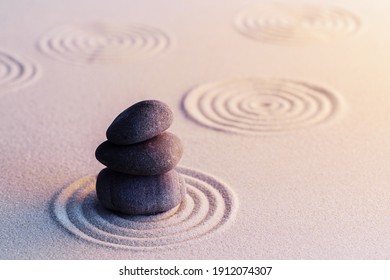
(209, 206)
(296, 24)
(16, 71)
(103, 43)
(257, 106)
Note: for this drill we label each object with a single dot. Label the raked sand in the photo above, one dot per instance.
(283, 109)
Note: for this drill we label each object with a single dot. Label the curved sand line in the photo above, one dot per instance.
(209, 206)
(281, 23)
(103, 43)
(16, 71)
(256, 106)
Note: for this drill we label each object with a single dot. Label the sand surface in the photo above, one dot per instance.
(283, 109)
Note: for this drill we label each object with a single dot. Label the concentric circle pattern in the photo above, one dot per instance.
(259, 106)
(15, 71)
(296, 24)
(103, 43)
(209, 205)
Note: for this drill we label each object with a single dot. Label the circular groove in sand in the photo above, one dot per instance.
(259, 106)
(16, 71)
(281, 23)
(103, 43)
(209, 206)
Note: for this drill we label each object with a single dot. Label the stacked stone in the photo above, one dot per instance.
(140, 157)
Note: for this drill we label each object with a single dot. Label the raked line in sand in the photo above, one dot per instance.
(296, 24)
(209, 206)
(102, 43)
(257, 106)
(16, 71)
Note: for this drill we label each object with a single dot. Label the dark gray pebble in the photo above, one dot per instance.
(152, 157)
(140, 195)
(140, 122)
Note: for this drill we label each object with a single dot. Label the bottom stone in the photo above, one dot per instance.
(140, 195)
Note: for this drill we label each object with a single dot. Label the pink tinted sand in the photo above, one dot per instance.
(318, 192)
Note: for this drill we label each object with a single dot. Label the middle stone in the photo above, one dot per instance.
(155, 156)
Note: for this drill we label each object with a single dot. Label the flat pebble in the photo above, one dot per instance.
(140, 122)
(152, 157)
(140, 195)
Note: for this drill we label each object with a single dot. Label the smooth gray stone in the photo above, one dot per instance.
(152, 157)
(140, 122)
(140, 195)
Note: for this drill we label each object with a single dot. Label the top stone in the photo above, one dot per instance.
(140, 122)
